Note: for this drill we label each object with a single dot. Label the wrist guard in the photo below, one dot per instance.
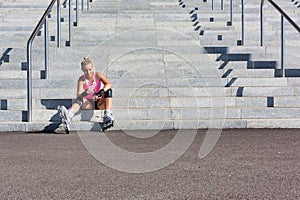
(100, 93)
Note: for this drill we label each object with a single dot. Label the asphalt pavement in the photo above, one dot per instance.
(244, 164)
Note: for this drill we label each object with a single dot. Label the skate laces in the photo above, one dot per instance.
(65, 113)
(70, 114)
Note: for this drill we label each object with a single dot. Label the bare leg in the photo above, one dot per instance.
(104, 104)
(86, 105)
(75, 107)
(108, 103)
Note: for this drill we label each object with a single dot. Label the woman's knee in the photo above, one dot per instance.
(108, 93)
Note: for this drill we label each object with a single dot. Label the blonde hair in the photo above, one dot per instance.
(86, 61)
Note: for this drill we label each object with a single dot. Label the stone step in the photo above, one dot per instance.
(260, 82)
(131, 82)
(21, 6)
(176, 114)
(192, 100)
(152, 125)
(18, 55)
(9, 28)
(188, 108)
(7, 95)
(273, 123)
(188, 72)
(270, 113)
(138, 102)
(263, 91)
(273, 101)
(121, 125)
(250, 38)
(17, 75)
(249, 73)
(26, 13)
(188, 102)
(165, 114)
(12, 116)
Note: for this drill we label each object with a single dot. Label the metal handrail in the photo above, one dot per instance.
(42, 22)
(283, 15)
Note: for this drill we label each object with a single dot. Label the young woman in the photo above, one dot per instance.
(93, 91)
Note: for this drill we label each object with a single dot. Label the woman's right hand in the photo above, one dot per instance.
(87, 92)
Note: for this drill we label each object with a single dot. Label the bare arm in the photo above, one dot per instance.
(104, 80)
(80, 89)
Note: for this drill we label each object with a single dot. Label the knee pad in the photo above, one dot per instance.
(108, 93)
(79, 101)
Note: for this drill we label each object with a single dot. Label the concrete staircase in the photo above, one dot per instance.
(263, 99)
(171, 66)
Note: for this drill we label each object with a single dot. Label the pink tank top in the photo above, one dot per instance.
(96, 86)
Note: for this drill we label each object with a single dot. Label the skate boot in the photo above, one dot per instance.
(108, 120)
(63, 112)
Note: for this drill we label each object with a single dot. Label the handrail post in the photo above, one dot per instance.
(29, 82)
(282, 47)
(231, 10)
(82, 5)
(212, 4)
(70, 24)
(46, 47)
(231, 13)
(243, 24)
(58, 23)
(88, 4)
(76, 16)
(262, 23)
(222, 4)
